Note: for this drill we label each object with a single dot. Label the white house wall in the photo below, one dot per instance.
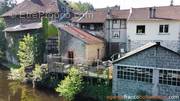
(170, 40)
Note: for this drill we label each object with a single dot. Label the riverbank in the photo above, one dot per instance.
(94, 88)
(15, 91)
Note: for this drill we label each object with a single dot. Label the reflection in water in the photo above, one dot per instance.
(14, 91)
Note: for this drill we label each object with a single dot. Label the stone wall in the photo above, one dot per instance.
(132, 88)
(70, 43)
(154, 57)
(13, 39)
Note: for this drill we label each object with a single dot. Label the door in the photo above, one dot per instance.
(71, 57)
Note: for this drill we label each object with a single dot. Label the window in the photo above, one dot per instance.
(115, 21)
(169, 77)
(163, 29)
(91, 27)
(116, 24)
(116, 34)
(140, 29)
(123, 24)
(52, 45)
(135, 73)
(98, 53)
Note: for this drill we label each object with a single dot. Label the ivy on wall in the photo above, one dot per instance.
(2, 40)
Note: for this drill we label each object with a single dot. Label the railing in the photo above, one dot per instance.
(97, 69)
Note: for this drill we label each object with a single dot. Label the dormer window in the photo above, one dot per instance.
(163, 29)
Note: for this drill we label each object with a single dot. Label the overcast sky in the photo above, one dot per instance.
(127, 3)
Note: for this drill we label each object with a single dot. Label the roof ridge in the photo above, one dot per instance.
(81, 31)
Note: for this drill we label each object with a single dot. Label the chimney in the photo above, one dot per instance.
(172, 3)
(116, 7)
(158, 43)
(152, 12)
(109, 13)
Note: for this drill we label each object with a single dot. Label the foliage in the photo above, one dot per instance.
(39, 44)
(37, 73)
(71, 85)
(99, 91)
(45, 24)
(49, 30)
(2, 41)
(17, 74)
(52, 31)
(79, 6)
(26, 51)
(26, 57)
(7, 5)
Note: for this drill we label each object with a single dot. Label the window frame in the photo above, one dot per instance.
(167, 77)
(163, 30)
(140, 33)
(114, 33)
(135, 74)
(125, 24)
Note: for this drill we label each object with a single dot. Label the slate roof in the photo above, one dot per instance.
(163, 12)
(23, 27)
(80, 34)
(33, 7)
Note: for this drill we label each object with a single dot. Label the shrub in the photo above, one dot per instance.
(71, 85)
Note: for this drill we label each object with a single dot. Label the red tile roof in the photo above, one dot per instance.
(33, 7)
(163, 12)
(78, 33)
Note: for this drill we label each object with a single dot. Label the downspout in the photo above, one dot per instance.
(128, 40)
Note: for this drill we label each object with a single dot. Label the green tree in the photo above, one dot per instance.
(26, 51)
(71, 85)
(82, 7)
(7, 5)
(49, 30)
(2, 41)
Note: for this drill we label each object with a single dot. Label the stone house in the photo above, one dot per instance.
(151, 68)
(78, 46)
(26, 18)
(107, 23)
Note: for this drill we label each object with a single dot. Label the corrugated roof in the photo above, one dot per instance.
(23, 27)
(33, 7)
(163, 12)
(78, 33)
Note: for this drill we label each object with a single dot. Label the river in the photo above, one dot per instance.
(13, 91)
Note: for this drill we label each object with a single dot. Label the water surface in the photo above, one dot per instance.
(13, 91)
